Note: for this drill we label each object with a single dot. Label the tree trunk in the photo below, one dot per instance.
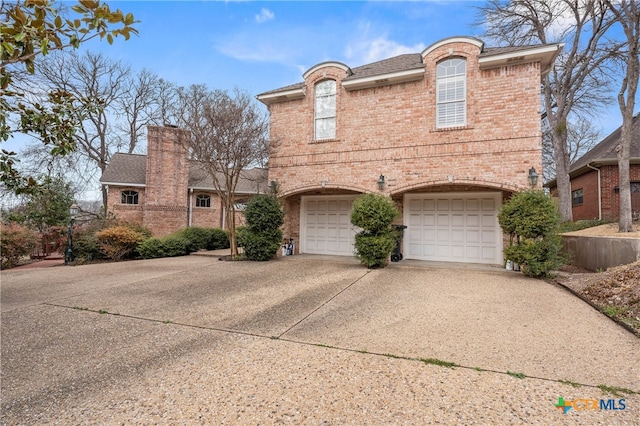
(563, 180)
(231, 227)
(623, 153)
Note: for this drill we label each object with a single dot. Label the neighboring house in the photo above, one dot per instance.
(595, 179)
(165, 190)
(448, 133)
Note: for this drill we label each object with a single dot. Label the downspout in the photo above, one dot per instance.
(599, 191)
(224, 217)
(190, 206)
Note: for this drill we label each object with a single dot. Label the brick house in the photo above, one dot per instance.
(448, 134)
(595, 179)
(165, 190)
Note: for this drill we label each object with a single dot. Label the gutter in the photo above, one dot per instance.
(599, 190)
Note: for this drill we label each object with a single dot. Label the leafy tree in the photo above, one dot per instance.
(35, 28)
(16, 241)
(374, 213)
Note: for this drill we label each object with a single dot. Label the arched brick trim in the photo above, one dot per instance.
(498, 186)
(302, 189)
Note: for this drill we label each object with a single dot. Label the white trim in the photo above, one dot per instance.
(546, 55)
(316, 67)
(496, 196)
(384, 79)
(287, 95)
(463, 39)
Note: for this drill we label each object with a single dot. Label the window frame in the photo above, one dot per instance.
(454, 79)
(129, 194)
(332, 108)
(203, 198)
(575, 200)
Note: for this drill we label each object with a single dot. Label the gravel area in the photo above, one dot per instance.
(302, 341)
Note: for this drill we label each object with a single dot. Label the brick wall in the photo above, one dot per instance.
(391, 131)
(128, 212)
(589, 185)
(611, 198)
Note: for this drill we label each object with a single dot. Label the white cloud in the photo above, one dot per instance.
(264, 15)
(365, 51)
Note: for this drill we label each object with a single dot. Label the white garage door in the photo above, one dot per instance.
(325, 225)
(454, 227)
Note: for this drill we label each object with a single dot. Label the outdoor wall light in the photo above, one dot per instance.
(533, 177)
(273, 186)
(381, 183)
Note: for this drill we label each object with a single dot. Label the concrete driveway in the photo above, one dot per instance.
(304, 340)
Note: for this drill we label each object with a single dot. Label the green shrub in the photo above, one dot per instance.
(197, 237)
(263, 245)
(374, 214)
(582, 224)
(151, 248)
(241, 235)
(85, 246)
(16, 242)
(374, 249)
(531, 219)
(262, 236)
(219, 239)
(118, 242)
(174, 245)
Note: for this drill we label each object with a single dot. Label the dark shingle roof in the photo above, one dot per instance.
(399, 63)
(606, 150)
(126, 168)
(131, 169)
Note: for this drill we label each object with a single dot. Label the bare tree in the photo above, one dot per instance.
(582, 135)
(578, 82)
(228, 135)
(627, 13)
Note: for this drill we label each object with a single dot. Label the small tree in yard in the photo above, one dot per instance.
(262, 236)
(531, 219)
(374, 214)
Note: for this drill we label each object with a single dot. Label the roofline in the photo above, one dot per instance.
(316, 67)
(595, 163)
(455, 39)
(543, 54)
(202, 188)
(384, 79)
(138, 185)
(287, 95)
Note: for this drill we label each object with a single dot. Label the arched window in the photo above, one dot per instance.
(451, 76)
(129, 197)
(325, 110)
(203, 201)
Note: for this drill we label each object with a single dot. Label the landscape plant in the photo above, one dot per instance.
(262, 236)
(531, 219)
(374, 214)
(118, 242)
(16, 242)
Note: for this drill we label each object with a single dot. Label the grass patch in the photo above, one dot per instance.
(102, 311)
(614, 311)
(581, 224)
(439, 362)
(167, 322)
(479, 369)
(516, 375)
(78, 308)
(570, 383)
(616, 391)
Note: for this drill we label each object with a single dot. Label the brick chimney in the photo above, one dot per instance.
(166, 193)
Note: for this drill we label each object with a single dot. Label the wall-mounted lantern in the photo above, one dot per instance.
(381, 183)
(533, 177)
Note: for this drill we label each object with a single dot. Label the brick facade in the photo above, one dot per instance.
(390, 130)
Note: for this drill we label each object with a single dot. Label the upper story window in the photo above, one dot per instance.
(325, 110)
(577, 197)
(129, 197)
(203, 201)
(451, 97)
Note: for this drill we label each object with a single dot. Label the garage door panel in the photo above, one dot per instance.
(460, 227)
(325, 225)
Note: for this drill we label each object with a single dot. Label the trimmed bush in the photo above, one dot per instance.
(118, 242)
(175, 246)
(151, 248)
(16, 242)
(262, 236)
(374, 214)
(219, 239)
(531, 219)
(197, 237)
